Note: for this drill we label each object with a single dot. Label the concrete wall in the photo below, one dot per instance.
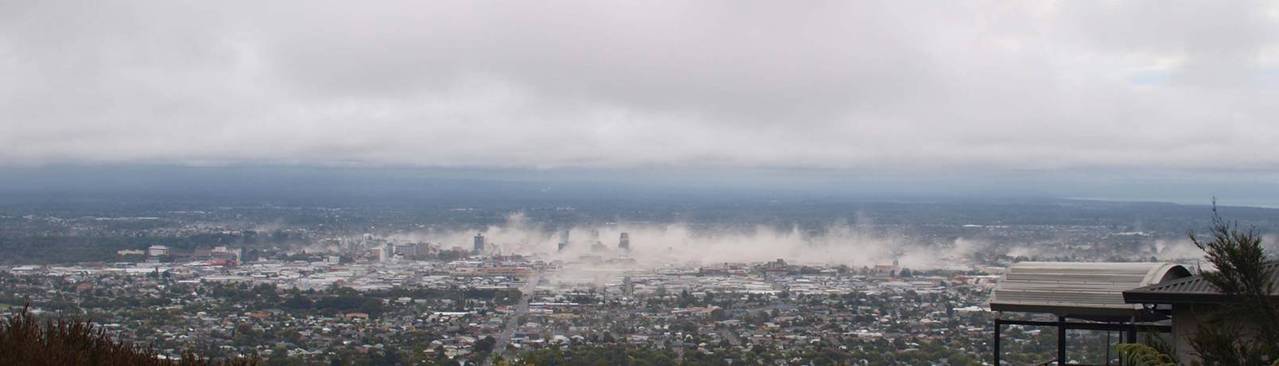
(1185, 323)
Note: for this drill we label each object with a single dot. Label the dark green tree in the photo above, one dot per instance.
(485, 345)
(1246, 330)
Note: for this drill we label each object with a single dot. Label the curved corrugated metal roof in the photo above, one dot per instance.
(1078, 288)
(1191, 290)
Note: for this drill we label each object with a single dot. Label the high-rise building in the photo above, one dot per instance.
(624, 243)
(628, 286)
(563, 240)
(597, 246)
(479, 243)
(385, 252)
(413, 250)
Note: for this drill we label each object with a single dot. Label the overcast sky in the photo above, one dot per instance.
(1019, 85)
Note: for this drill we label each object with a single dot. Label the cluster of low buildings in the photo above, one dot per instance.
(764, 310)
(352, 283)
(218, 255)
(296, 309)
(475, 308)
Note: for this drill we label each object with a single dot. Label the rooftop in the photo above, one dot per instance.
(1078, 289)
(1189, 290)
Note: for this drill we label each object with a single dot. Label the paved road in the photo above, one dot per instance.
(508, 331)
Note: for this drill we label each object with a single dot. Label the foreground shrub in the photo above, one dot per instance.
(1136, 354)
(25, 341)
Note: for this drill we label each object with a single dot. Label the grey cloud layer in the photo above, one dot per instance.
(1023, 85)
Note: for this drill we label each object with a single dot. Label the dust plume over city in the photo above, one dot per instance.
(677, 243)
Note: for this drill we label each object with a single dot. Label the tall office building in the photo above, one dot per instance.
(479, 243)
(624, 243)
(628, 286)
(598, 245)
(385, 252)
(563, 240)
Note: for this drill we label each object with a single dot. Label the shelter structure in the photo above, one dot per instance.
(1083, 296)
(1188, 301)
